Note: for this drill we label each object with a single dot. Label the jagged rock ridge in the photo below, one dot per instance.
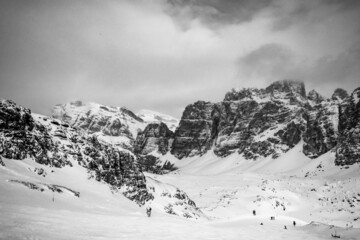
(348, 149)
(55, 143)
(193, 136)
(315, 97)
(155, 137)
(258, 123)
(155, 141)
(52, 142)
(244, 122)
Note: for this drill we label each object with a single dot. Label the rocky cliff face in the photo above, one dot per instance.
(339, 95)
(196, 131)
(253, 122)
(156, 137)
(314, 97)
(321, 134)
(52, 142)
(348, 149)
(21, 136)
(258, 123)
(287, 89)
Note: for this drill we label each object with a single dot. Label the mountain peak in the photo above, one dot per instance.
(288, 86)
(243, 94)
(356, 95)
(282, 89)
(315, 97)
(77, 103)
(150, 116)
(339, 94)
(115, 125)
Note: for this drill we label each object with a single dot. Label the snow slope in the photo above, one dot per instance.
(225, 190)
(100, 214)
(292, 186)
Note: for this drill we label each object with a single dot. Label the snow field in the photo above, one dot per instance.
(225, 190)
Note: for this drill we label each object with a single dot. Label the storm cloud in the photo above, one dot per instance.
(165, 54)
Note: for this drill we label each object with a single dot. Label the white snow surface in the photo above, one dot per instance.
(150, 116)
(322, 198)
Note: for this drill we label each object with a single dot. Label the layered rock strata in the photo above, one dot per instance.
(259, 123)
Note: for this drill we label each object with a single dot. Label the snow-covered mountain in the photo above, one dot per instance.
(288, 155)
(150, 116)
(115, 125)
(156, 137)
(254, 123)
(257, 123)
(54, 143)
(49, 145)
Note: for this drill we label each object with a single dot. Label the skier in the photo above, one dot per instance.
(294, 223)
(254, 212)
(148, 211)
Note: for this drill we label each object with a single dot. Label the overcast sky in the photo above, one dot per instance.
(164, 55)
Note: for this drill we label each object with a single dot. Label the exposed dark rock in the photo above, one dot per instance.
(29, 185)
(233, 130)
(291, 88)
(42, 186)
(152, 164)
(40, 171)
(193, 136)
(54, 187)
(244, 94)
(291, 134)
(339, 94)
(315, 97)
(232, 125)
(321, 132)
(182, 199)
(258, 123)
(14, 118)
(77, 103)
(2, 162)
(348, 149)
(257, 149)
(181, 195)
(131, 114)
(155, 137)
(21, 136)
